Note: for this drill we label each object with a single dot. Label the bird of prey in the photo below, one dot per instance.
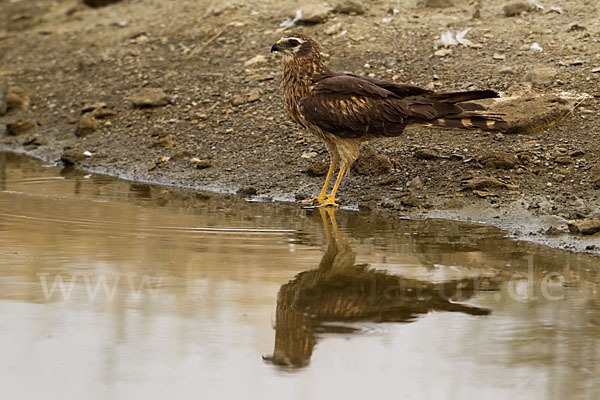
(344, 109)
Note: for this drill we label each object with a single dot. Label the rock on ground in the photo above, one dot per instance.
(317, 168)
(333, 29)
(15, 100)
(314, 14)
(575, 27)
(513, 9)
(247, 191)
(86, 126)
(20, 126)
(165, 141)
(201, 164)
(427, 154)
(237, 101)
(349, 7)
(543, 76)
(415, 184)
(437, 3)
(584, 227)
(370, 162)
(500, 160)
(563, 160)
(411, 201)
(540, 112)
(150, 97)
(71, 156)
(482, 182)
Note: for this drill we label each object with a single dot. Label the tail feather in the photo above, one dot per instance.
(455, 110)
(471, 115)
(457, 97)
(487, 123)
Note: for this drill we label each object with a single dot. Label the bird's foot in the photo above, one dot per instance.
(321, 201)
(314, 201)
(329, 201)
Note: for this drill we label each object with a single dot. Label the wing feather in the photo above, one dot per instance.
(353, 106)
(348, 106)
(399, 89)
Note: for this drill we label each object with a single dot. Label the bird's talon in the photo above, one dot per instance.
(313, 200)
(329, 201)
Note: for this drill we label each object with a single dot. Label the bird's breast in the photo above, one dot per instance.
(294, 89)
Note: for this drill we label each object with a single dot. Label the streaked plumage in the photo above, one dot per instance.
(344, 109)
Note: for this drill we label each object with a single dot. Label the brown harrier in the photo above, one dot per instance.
(345, 109)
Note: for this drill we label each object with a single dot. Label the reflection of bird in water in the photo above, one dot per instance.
(340, 291)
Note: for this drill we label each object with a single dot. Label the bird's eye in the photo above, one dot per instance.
(293, 42)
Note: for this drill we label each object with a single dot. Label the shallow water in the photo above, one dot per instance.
(121, 290)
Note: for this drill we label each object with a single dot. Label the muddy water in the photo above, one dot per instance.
(118, 290)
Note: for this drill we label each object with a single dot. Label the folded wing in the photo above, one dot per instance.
(352, 106)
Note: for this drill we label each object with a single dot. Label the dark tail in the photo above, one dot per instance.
(458, 97)
(471, 116)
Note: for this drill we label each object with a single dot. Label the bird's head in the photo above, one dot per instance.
(297, 45)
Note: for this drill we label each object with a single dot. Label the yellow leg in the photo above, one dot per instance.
(331, 200)
(323, 213)
(323, 195)
(334, 225)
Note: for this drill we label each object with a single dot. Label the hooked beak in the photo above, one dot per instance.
(275, 47)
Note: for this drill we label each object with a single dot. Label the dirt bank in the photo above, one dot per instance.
(214, 121)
